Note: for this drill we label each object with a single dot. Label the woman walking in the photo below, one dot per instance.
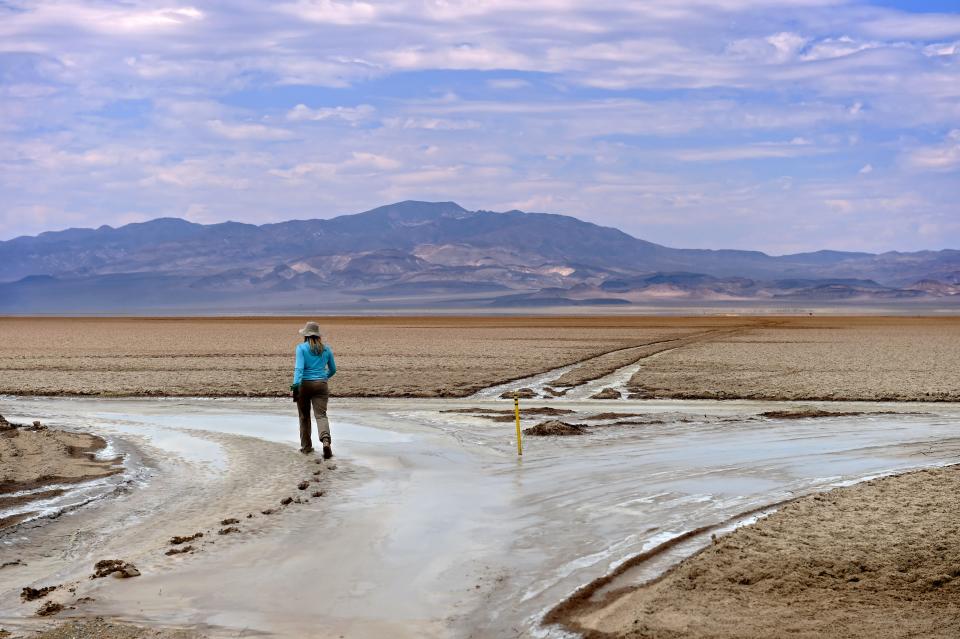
(314, 366)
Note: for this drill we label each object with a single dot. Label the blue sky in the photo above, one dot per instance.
(782, 126)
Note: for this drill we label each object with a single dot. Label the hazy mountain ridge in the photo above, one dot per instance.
(437, 251)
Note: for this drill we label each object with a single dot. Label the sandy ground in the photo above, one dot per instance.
(830, 358)
(35, 457)
(31, 457)
(608, 363)
(390, 357)
(894, 359)
(877, 560)
(101, 629)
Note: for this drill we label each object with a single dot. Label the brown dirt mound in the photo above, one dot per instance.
(49, 608)
(179, 551)
(805, 413)
(32, 594)
(521, 393)
(607, 393)
(555, 427)
(114, 567)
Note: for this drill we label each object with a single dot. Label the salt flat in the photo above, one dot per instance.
(827, 358)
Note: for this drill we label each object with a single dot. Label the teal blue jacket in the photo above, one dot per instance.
(310, 367)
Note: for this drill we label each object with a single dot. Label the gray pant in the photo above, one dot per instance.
(313, 394)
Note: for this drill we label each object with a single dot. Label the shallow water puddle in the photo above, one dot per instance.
(445, 532)
(268, 422)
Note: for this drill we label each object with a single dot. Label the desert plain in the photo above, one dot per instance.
(852, 540)
(769, 358)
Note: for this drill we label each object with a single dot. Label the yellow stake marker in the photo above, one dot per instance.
(516, 412)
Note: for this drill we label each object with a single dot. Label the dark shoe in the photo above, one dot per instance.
(306, 451)
(327, 451)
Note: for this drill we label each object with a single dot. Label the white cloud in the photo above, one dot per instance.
(353, 115)
(939, 157)
(460, 56)
(830, 48)
(245, 131)
(136, 21)
(918, 26)
(866, 169)
(337, 12)
(796, 147)
(372, 160)
(507, 83)
(786, 45)
(942, 49)
(305, 169)
(432, 124)
(191, 174)
(356, 161)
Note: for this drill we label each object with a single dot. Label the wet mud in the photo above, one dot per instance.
(866, 561)
(427, 494)
(555, 428)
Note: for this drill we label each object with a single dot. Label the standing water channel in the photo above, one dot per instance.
(431, 524)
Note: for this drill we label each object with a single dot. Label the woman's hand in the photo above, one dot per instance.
(295, 392)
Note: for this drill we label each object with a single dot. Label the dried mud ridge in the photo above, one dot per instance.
(182, 544)
(52, 449)
(874, 560)
(585, 598)
(99, 628)
(813, 413)
(561, 428)
(33, 457)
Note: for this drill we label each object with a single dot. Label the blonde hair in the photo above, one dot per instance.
(316, 344)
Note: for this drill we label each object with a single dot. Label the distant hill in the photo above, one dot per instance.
(428, 253)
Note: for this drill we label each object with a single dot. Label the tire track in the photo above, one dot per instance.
(582, 379)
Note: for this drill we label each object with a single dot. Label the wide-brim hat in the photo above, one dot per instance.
(310, 329)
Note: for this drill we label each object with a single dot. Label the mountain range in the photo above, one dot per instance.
(430, 254)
